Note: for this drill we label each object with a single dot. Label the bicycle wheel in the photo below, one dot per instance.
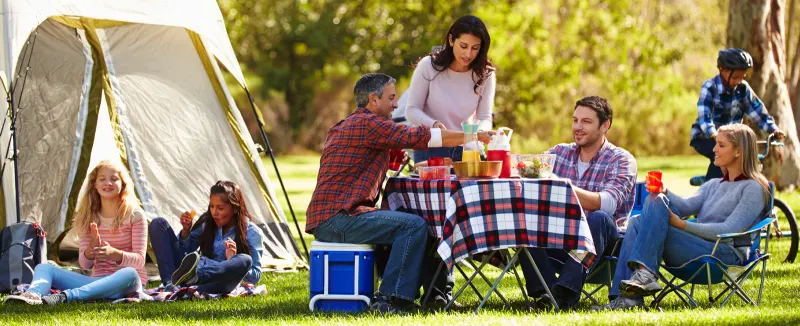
(785, 217)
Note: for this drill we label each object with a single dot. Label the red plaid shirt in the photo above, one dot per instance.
(354, 163)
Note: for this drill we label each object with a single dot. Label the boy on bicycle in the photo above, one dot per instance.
(725, 99)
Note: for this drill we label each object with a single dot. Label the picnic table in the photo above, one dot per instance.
(470, 217)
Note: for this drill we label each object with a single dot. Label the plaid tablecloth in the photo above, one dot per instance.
(482, 215)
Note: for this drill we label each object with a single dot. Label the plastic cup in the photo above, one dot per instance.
(653, 181)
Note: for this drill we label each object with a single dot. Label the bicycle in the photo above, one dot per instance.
(781, 211)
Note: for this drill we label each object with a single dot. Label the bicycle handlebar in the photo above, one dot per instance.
(769, 142)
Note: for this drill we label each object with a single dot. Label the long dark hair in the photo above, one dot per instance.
(481, 66)
(233, 195)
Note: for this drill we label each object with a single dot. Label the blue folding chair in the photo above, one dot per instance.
(602, 273)
(708, 269)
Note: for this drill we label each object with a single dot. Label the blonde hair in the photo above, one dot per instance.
(88, 209)
(742, 137)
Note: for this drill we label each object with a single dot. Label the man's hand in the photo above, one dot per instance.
(779, 135)
(486, 136)
(438, 125)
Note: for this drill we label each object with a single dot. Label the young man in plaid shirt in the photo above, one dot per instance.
(725, 99)
(352, 169)
(603, 177)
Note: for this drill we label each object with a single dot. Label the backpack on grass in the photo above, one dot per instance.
(22, 247)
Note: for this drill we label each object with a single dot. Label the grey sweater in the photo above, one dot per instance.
(722, 207)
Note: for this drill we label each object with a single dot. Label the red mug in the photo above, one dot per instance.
(396, 157)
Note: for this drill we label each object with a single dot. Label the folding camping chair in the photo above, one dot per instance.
(602, 273)
(709, 270)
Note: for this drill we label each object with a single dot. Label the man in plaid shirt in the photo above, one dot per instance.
(603, 177)
(725, 99)
(352, 169)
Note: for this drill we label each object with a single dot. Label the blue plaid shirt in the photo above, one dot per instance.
(612, 170)
(719, 106)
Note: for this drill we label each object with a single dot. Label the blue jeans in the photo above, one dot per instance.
(566, 288)
(452, 152)
(705, 147)
(166, 248)
(222, 276)
(80, 287)
(407, 233)
(213, 276)
(649, 238)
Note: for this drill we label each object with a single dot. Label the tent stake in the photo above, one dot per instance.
(275, 165)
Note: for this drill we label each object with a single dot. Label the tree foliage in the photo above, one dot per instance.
(648, 57)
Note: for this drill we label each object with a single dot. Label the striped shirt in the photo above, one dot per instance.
(130, 238)
(612, 171)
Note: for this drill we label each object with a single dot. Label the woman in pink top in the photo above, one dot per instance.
(453, 84)
(113, 241)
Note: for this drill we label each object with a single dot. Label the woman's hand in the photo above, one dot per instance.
(106, 251)
(186, 223)
(94, 241)
(438, 125)
(676, 221)
(230, 248)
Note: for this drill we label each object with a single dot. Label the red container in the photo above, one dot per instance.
(653, 181)
(501, 155)
(436, 161)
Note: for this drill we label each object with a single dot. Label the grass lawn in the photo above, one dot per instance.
(287, 302)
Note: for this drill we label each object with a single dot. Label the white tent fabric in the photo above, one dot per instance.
(173, 121)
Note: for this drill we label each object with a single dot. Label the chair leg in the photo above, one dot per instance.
(433, 281)
(761, 287)
(736, 288)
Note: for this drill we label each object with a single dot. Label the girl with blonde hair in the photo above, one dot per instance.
(731, 204)
(113, 241)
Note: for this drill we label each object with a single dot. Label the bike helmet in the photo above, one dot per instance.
(734, 59)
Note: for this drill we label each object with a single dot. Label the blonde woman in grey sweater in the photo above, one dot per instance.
(731, 204)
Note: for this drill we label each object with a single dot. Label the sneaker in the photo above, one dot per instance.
(642, 283)
(54, 299)
(621, 303)
(187, 271)
(697, 180)
(438, 304)
(388, 305)
(26, 297)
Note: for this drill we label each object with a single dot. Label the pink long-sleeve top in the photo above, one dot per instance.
(448, 97)
(131, 238)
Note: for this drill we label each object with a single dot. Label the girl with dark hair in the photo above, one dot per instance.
(230, 245)
(454, 84)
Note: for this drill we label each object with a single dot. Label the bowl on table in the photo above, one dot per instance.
(478, 170)
(533, 165)
(434, 172)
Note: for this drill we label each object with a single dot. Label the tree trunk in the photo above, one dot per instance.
(757, 27)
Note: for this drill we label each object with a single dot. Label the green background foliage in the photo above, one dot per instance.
(649, 58)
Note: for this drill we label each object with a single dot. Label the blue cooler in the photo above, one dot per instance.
(342, 277)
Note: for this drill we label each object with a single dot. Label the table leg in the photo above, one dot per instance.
(497, 282)
(541, 279)
(486, 279)
(521, 286)
(433, 282)
(467, 283)
(474, 289)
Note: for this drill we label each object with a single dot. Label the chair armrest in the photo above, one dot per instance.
(760, 225)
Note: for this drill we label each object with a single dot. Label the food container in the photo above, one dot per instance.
(533, 165)
(478, 170)
(434, 172)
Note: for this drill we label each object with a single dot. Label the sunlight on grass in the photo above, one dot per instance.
(287, 301)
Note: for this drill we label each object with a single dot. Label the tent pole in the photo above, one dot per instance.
(275, 165)
(13, 130)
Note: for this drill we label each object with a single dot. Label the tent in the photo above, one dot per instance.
(137, 81)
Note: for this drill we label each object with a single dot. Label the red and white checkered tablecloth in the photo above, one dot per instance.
(481, 215)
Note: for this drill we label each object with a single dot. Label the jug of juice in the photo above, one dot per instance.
(472, 148)
(500, 150)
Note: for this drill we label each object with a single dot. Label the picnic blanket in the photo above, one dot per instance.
(172, 294)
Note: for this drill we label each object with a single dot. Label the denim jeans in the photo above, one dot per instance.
(451, 152)
(222, 276)
(79, 287)
(566, 288)
(166, 248)
(705, 147)
(407, 233)
(649, 238)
